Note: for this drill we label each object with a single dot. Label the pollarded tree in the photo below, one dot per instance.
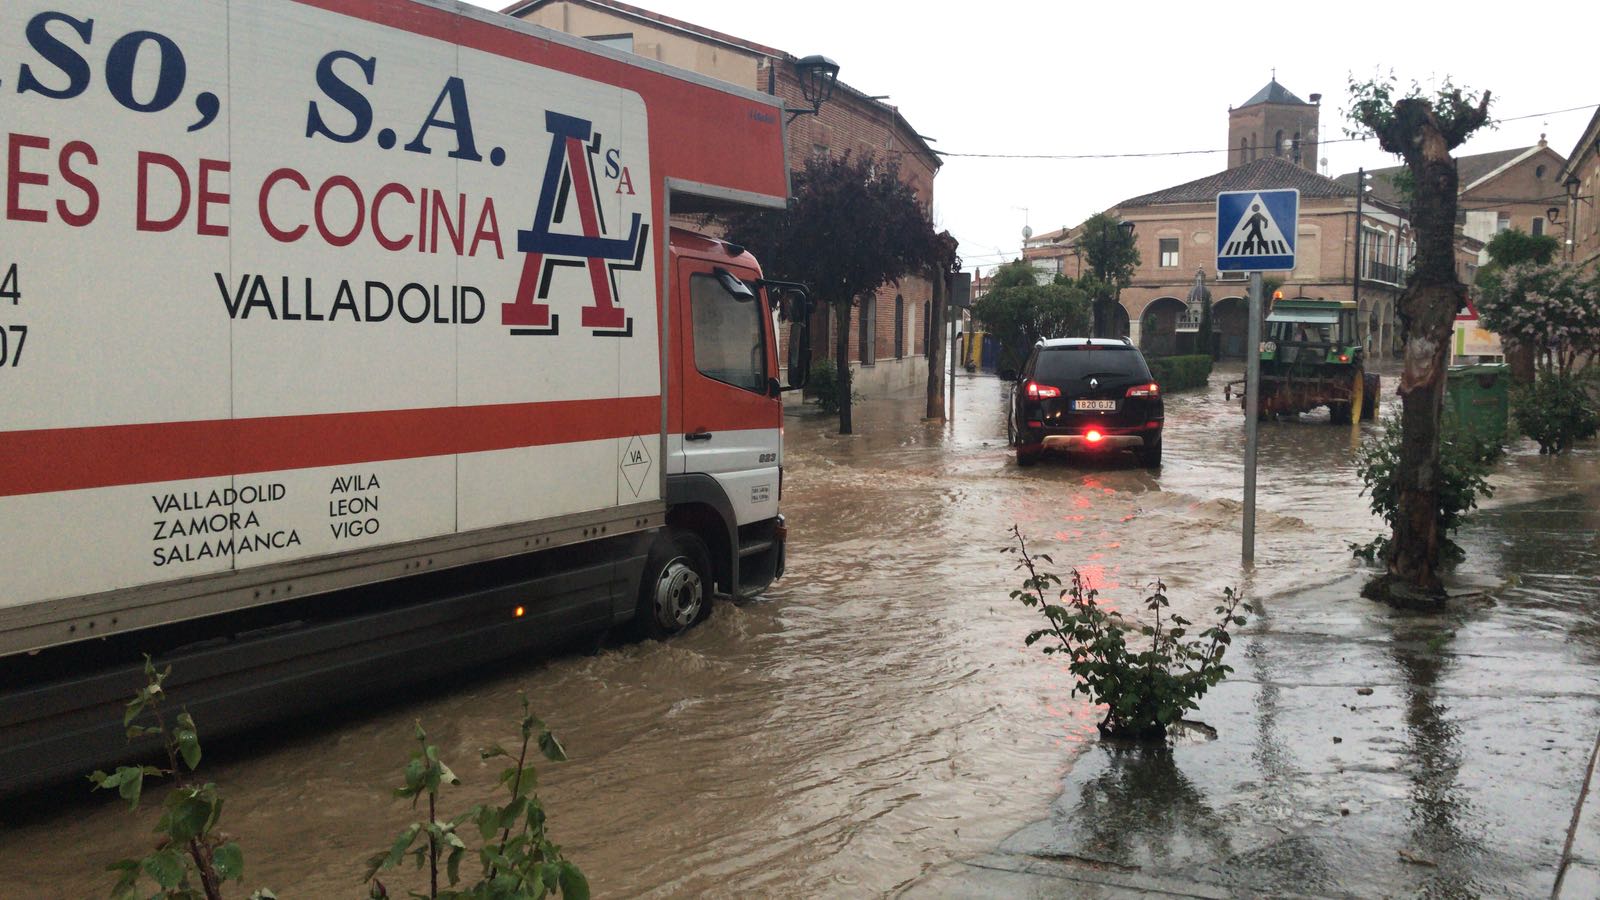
(851, 226)
(1422, 130)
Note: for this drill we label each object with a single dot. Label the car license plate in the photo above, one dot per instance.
(1094, 404)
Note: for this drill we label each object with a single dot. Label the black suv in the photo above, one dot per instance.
(1085, 394)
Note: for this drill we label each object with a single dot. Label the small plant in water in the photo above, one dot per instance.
(1144, 691)
(518, 860)
(193, 859)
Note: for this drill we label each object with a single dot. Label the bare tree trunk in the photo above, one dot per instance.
(841, 318)
(1427, 310)
(935, 347)
(1520, 358)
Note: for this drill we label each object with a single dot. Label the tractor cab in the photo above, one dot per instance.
(1305, 334)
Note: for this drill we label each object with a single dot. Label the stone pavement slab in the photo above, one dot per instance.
(1359, 752)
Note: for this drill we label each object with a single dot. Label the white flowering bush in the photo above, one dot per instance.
(1553, 308)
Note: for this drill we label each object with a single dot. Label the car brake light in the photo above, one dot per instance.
(1093, 437)
(1037, 391)
(1145, 390)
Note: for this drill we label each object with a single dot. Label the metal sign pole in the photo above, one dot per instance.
(1252, 406)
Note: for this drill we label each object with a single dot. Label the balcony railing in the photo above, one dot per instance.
(1372, 270)
(1189, 322)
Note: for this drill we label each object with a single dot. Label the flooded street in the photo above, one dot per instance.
(876, 715)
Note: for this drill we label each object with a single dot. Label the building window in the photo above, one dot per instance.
(899, 327)
(1538, 171)
(622, 42)
(867, 332)
(1277, 144)
(1502, 223)
(1244, 147)
(820, 151)
(1538, 225)
(1169, 253)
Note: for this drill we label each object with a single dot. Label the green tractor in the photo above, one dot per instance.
(1311, 356)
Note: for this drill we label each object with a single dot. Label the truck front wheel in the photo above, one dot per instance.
(677, 586)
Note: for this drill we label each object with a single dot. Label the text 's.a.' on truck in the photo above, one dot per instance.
(348, 341)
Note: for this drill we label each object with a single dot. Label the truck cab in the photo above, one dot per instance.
(725, 422)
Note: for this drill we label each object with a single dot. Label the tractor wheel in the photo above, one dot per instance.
(1369, 398)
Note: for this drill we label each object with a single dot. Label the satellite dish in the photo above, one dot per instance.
(1026, 232)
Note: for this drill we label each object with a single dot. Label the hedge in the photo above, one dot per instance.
(1180, 373)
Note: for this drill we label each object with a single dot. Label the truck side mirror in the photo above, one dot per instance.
(799, 361)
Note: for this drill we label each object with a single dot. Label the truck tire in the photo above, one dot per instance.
(677, 586)
(1339, 412)
(1369, 397)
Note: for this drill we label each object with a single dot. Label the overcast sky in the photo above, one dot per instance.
(1006, 76)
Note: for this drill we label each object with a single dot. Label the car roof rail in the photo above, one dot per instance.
(1127, 340)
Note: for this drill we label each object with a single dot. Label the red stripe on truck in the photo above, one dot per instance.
(69, 459)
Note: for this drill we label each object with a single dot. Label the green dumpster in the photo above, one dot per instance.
(1479, 397)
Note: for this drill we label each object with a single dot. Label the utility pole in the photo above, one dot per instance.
(935, 344)
(1361, 192)
(951, 415)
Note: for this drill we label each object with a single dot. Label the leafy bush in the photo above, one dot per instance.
(1465, 459)
(193, 858)
(1144, 691)
(521, 864)
(1020, 312)
(1180, 373)
(824, 385)
(1555, 410)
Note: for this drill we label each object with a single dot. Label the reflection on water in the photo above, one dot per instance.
(876, 715)
(1142, 810)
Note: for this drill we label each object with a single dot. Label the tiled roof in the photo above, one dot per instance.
(1273, 93)
(1468, 170)
(1270, 173)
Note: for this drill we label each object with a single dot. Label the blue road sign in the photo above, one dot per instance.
(1256, 230)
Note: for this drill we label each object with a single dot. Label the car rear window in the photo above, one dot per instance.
(1075, 363)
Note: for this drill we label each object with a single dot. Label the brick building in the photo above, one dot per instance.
(1579, 222)
(1500, 190)
(889, 339)
(1272, 140)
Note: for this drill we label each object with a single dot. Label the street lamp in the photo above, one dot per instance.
(817, 75)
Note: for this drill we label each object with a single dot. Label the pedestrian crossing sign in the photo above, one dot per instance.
(1256, 230)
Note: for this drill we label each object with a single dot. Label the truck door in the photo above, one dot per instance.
(732, 418)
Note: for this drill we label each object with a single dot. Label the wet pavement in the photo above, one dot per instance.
(874, 726)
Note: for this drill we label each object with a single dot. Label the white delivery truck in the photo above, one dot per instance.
(345, 342)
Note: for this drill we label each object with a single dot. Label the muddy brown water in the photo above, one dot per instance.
(874, 716)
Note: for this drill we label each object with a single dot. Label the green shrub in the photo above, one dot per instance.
(193, 858)
(1180, 373)
(1144, 691)
(1464, 463)
(517, 858)
(824, 385)
(1555, 411)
